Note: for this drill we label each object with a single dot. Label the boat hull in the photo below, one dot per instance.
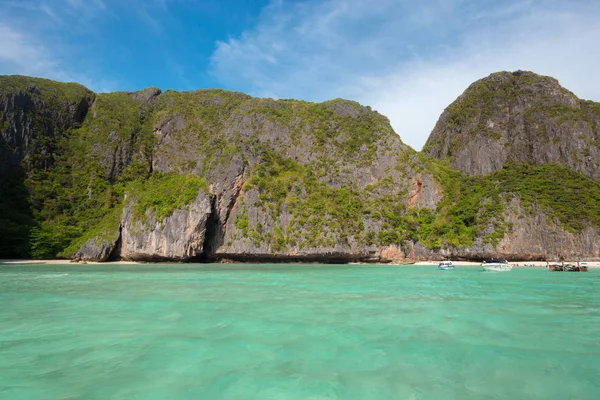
(445, 265)
(496, 267)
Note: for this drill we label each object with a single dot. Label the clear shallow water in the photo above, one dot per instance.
(297, 332)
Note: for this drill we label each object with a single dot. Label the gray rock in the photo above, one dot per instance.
(518, 117)
(179, 237)
(96, 249)
(533, 236)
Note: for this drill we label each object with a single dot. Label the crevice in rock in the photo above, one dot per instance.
(115, 254)
(212, 235)
(215, 226)
(239, 184)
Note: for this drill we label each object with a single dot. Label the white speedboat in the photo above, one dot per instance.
(445, 265)
(496, 265)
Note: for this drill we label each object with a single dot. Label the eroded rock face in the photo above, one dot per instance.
(533, 236)
(425, 192)
(97, 249)
(178, 237)
(238, 247)
(518, 117)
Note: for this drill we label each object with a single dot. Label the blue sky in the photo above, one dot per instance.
(406, 59)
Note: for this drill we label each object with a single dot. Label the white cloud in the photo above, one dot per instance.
(410, 61)
(416, 94)
(34, 40)
(20, 54)
(23, 55)
(50, 12)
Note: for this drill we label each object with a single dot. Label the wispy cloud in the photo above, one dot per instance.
(409, 60)
(35, 38)
(50, 12)
(153, 13)
(21, 54)
(85, 3)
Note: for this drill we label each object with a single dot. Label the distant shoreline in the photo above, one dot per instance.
(591, 264)
(63, 262)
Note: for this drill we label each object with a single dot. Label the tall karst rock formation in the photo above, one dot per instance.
(518, 117)
(510, 169)
(278, 179)
(535, 141)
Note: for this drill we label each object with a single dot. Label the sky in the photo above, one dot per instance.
(406, 59)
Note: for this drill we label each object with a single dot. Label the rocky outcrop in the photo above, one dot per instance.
(259, 246)
(535, 236)
(518, 117)
(425, 192)
(97, 249)
(532, 236)
(178, 237)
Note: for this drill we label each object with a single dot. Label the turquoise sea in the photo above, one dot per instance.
(297, 332)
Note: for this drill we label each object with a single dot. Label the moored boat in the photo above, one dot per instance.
(555, 266)
(445, 265)
(496, 265)
(567, 267)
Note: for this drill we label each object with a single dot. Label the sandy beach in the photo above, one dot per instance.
(590, 264)
(61, 262)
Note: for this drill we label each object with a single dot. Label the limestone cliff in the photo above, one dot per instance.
(518, 117)
(35, 114)
(212, 175)
(532, 236)
(178, 237)
(280, 172)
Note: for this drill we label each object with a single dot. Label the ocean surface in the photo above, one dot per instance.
(297, 332)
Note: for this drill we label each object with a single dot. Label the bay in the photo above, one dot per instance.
(217, 331)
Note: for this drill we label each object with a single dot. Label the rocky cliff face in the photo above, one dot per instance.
(518, 117)
(35, 114)
(178, 237)
(532, 236)
(212, 175)
(99, 248)
(535, 236)
(252, 152)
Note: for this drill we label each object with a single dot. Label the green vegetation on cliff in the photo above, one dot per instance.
(164, 193)
(471, 204)
(471, 207)
(319, 214)
(324, 175)
(47, 91)
(15, 217)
